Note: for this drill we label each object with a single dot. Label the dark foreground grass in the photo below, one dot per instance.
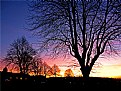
(62, 84)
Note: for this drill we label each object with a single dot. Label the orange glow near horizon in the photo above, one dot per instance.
(111, 69)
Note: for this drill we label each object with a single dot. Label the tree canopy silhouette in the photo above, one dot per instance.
(84, 28)
(36, 65)
(21, 54)
(54, 71)
(68, 73)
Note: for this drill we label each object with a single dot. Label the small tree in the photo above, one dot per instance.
(54, 71)
(5, 70)
(68, 73)
(36, 65)
(45, 69)
(21, 54)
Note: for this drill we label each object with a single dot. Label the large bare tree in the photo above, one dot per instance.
(20, 54)
(83, 28)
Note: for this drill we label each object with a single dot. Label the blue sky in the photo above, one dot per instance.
(13, 23)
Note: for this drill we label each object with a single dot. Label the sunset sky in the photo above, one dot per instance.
(13, 23)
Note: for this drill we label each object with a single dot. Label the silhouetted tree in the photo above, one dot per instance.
(4, 74)
(45, 69)
(21, 54)
(83, 28)
(68, 73)
(5, 70)
(54, 71)
(36, 65)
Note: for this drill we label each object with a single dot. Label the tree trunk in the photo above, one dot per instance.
(85, 71)
(20, 68)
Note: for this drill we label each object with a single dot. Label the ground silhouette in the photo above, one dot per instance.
(20, 82)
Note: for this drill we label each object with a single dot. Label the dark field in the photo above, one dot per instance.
(62, 84)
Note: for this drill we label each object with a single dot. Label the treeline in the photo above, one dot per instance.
(21, 56)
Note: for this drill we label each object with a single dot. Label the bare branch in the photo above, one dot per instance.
(84, 29)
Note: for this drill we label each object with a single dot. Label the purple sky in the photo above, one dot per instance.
(13, 23)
